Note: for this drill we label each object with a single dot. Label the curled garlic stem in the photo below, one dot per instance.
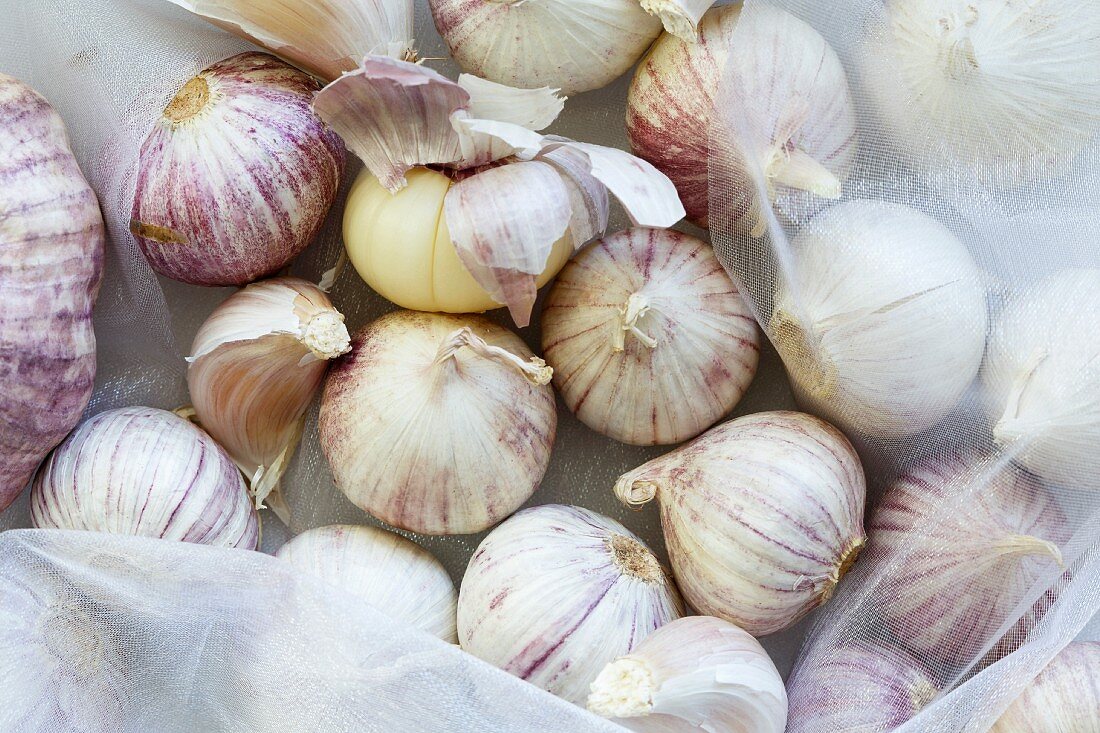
(635, 493)
(1022, 544)
(535, 369)
(636, 307)
(624, 689)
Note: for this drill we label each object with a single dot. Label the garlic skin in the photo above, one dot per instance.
(52, 237)
(650, 340)
(882, 326)
(798, 129)
(385, 570)
(556, 592)
(762, 516)
(1064, 698)
(695, 673)
(438, 424)
(1042, 375)
(256, 364)
(267, 172)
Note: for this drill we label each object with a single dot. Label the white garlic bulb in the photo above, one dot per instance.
(762, 516)
(556, 592)
(882, 326)
(387, 571)
(650, 340)
(256, 364)
(1042, 375)
(438, 424)
(1001, 535)
(1064, 698)
(697, 673)
(147, 472)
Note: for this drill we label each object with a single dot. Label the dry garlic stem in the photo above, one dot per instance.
(534, 368)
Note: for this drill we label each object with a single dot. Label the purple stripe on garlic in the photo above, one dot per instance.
(1064, 698)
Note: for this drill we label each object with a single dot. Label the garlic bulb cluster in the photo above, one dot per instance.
(237, 176)
(650, 340)
(762, 516)
(146, 472)
(255, 366)
(1042, 377)
(695, 673)
(1064, 698)
(962, 522)
(51, 237)
(438, 424)
(385, 570)
(556, 592)
(784, 96)
(882, 323)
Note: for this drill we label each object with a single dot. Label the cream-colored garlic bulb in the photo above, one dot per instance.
(438, 424)
(698, 673)
(255, 366)
(387, 571)
(556, 592)
(1064, 698)
(650, 340)
(882, 324)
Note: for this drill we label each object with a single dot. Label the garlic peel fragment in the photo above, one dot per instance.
(532, 109)
(1064, 698)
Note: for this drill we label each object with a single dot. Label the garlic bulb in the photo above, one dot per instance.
(1042, 375)
(51, 236)
(147, 472)
(696, 673)
(256, 364)
(387, 571)
(438, 424)
(649, 338)
(1006, 89)
(999, 537)
(1064, 698)
(856, 686)
(762, 516)
(786, 101)
(556, 592)
(237, 176)
(882, 325)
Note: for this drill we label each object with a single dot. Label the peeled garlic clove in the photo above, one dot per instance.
(762, 516)
(147, 472)
(1064, 698)
(213, 205)
(882, 325)
(385, 570)
(786, 100)
(556, 592)
(695, 673)
(649, 338)
(256, 364)
(438, 424)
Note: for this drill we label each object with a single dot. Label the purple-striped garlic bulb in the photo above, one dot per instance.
(51, 240)
(960, 523)
(238, 174)
(1064, 698)
(650, 340)
(147, 472)
(556, 592)
(438, 424)
(762, 516)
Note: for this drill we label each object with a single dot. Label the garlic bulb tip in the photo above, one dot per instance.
(624, 689)
(326, 336)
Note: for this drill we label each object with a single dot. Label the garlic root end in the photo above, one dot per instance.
(843, 565)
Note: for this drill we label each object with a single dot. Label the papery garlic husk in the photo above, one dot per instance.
(51, 236)
(1007, 90)
(387, 571)
(762, 516)
(882, 326)
(964, 539)
(255, 366)
(1064, 698)
(556, 592)
(438, 424)
(1042, 378)
(787, 99)
(650, 340)
(146, 472)
(858, 686)
(237, 176)
(698, 673)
